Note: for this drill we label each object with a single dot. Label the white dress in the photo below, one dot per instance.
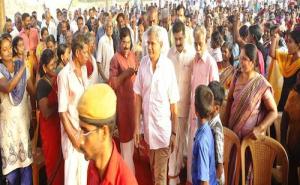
(14, 132)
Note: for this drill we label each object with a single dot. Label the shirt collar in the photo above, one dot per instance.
(111, 170)
(203, 58)
(113, 165)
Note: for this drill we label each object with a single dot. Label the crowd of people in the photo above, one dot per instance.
(88, 81)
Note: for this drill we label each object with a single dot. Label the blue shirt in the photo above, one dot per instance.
(203, 163)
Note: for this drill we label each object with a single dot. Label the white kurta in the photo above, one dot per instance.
(70, 89)
(14, 132)
(105, 52)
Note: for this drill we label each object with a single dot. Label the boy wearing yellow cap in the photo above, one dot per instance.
(97, 112)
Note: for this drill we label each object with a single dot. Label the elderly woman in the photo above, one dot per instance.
(251, 107)
(14, 117)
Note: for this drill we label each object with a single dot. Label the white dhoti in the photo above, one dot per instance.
(127, 150)
(176, 157)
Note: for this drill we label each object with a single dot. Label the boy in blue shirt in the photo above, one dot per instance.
(203, 163)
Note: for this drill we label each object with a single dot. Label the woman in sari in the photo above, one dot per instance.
(49, 119)
(290, 131)
(227, 69)
(42, 44)
(289, 63)
(251, 107)
(15, 143)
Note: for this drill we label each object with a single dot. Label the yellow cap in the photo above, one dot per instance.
(97, 105)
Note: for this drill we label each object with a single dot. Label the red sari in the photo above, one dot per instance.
(51, 141)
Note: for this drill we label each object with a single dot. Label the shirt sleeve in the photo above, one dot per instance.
(214, 72)
(203, 162)
(62, 93)
(137, 86)
(99, 52)
(113, 73)
(173, 91)
(219, 142)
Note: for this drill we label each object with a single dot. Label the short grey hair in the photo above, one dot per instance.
(90, 37)
(156, 30)
(106, 21)
(200, 30)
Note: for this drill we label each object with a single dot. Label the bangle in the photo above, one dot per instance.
(173, 133)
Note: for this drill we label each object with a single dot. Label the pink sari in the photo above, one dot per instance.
(247, 109)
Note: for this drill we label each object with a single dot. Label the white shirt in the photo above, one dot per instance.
(189, 36)
(183, 68)
(70, 89)
(105, 52)
(52, 29)
(216, 54)
(73, 26)
(158, 90)
(14, 33)
(164, 35)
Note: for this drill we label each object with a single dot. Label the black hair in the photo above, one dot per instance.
(6, 36)
(295, 35)
(256, 33)
(251, 52)
(218, 91)
(45, 59)
(50, 38)
(244, 31)
(61, 50)
(178, 27)
(2, 38)
(120, 15)
(80, 17)
(180, 6)
(228, 46)
(124, 32)
(15, 42)
(204, 99)
(24, 16)
(216, 38)
(43, 30)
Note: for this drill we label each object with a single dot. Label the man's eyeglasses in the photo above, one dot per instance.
(86, 133)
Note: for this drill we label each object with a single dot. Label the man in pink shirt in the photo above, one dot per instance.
(205, 70)
(31, 39)
(30, 35)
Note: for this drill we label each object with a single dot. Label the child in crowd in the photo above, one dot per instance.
(217, 128)
(215, 44)
(203, 165)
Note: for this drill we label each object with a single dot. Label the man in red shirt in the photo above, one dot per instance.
(97, 112)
